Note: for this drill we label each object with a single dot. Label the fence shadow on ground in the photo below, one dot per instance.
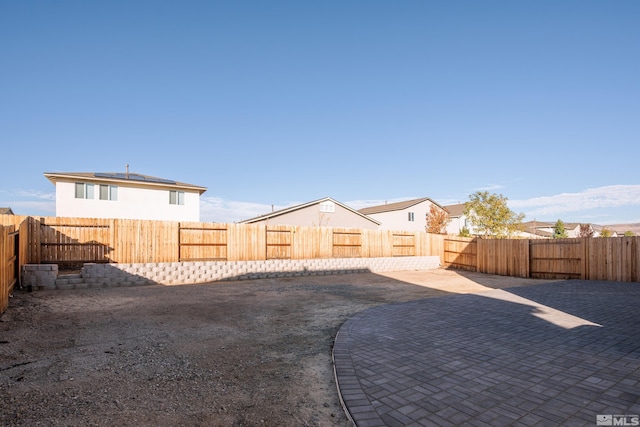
(110, 275)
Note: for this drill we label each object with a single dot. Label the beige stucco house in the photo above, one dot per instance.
(124, 196)
(325, 212)
(409, 215)
(457, 219)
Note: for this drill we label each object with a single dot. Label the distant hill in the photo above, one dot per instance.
(621, 228)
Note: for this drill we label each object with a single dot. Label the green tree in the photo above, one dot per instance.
(629, 233)
(605, 232)
(490, 215)
(437, 220)
(559, 232)
(464, 232)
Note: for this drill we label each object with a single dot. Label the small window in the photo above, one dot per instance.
(327, 207)
(176, 197)
(411, 217)
(108, 192)
(79, 190)
(84, 191)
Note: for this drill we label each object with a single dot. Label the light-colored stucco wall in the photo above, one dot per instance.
(399, 220)
(132, 203)
(311, 216)
(456, 224)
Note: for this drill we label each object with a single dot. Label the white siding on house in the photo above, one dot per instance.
(413, 218)
(132, 202)
(456, 224)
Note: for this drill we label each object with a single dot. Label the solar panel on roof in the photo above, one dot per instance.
(133, 177)
(161, 180)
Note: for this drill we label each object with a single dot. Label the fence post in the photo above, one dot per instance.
(584, 261)
(37, 232)
(635, 261)
(4, 292)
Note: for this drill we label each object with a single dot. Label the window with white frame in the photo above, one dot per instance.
(176, 197)
(84, 191)
(108, 192)
(327, 207)
(411, 217)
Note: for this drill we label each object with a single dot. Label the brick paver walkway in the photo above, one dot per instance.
(551, 354)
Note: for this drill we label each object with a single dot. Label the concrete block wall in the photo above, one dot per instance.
(39, 276)
(174, 273)
(210, 271)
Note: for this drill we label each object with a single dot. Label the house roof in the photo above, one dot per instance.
(397, 206)
(545, 224)
(302, 206)
(6, 211)
(120, 177)
(455, 210)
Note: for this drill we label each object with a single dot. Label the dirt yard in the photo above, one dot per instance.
(244, 353)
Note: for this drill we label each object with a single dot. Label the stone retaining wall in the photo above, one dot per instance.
(39, 276)
(175, 273)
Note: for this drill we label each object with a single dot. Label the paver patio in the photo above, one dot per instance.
(550, 354)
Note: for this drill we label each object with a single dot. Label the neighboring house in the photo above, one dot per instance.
(598, 229)
(318, 213)
(6, 211)
(410, 215)
(539, 230)
(457, 219)
(544, 230)
(125, 196)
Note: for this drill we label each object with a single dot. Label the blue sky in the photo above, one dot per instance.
(284, 102)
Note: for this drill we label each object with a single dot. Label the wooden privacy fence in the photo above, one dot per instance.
(78, 240)
(8, 264)
(614, 258)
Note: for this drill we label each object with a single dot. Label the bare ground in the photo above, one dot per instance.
(243, 353)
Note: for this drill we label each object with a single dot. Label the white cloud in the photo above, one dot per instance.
(491, 187)
(608, 197)
(215, 209)
(31, 207)
(35, 194)
(29, 202)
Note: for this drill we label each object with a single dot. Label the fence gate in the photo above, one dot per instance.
(202, 242)
(72, 243)
(461, 253)
(555, 258)
(404, 244)
(8, 264)
(278, 241)
(347, 243)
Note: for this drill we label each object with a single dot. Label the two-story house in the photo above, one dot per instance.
(124, 195)
(409, 215)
